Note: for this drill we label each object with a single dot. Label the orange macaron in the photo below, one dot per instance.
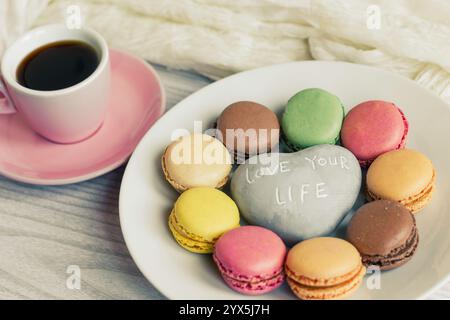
(324, 268)
(405, 176)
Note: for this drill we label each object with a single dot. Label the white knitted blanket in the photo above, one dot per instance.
(220, 37)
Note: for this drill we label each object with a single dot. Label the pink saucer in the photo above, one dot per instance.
(137, 101)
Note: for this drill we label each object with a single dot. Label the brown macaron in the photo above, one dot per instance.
(385, 234)
(248, 128)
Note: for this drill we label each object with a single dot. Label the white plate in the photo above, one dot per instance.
(146, 198)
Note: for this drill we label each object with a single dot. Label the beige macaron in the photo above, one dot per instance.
(196, 160)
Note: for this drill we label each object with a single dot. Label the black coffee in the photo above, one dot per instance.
(57, 66)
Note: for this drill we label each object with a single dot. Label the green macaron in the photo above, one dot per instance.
(312, 117)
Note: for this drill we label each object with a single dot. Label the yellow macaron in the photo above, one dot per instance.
(324, 268)
(200, 216)
(196, 160)
(405, 176)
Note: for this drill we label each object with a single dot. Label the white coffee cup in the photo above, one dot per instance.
(64, 116)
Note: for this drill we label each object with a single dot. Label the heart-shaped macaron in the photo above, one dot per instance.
(298, 195)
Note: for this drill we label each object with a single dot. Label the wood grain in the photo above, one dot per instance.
(44, 230)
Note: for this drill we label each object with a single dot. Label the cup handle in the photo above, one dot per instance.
(6, 104)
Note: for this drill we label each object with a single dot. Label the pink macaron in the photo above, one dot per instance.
(373, 128)
(251, 260)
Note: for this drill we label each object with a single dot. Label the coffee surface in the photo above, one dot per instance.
(57, 66)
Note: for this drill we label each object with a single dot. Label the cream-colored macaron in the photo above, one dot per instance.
(196, 160)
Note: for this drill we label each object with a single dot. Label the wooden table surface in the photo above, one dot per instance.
(45, 230)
